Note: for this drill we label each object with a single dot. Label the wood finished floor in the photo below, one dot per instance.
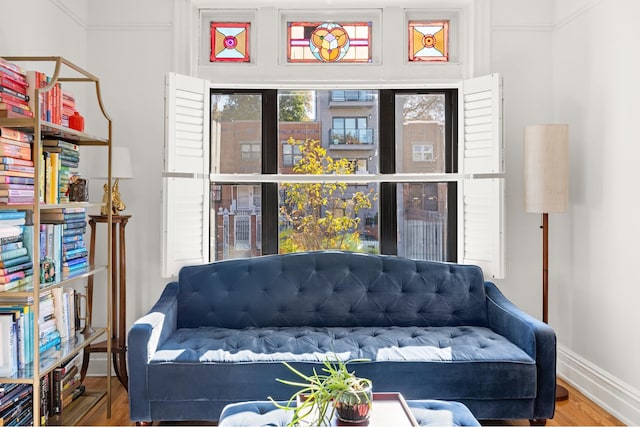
(576, 411)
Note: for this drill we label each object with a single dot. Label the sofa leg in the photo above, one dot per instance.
(538, 421)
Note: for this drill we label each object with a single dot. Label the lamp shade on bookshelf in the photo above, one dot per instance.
(120, 169)
(120, 165)
(546, 168)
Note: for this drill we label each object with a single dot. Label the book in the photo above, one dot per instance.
(14, 68)
(16, 200)
(16, 394)
(14, 261)
(13, 254)
(16, 284)
(10, 246)
(15, 142)
(17, 77)
(7, 80)
(15, 193)
(16, 268)
(14, 112)
(10, 179)
(14, 222)
(7, 103)
(14, 93)
(13, 161)
(9, 345)
(5, 97)
(18, 135)
(10, 230)
(16, 187)
(12, 214)
(11, 150)
(60, 143)
(54, 216)
(17, 168)
(11, 277)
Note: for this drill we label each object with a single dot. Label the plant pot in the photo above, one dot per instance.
(355, 407)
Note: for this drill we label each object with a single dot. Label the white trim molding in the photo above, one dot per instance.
(139, 26)
(612, 394)
(70, 12)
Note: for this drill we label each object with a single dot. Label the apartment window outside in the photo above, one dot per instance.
(423, 152)
(351, 130)
(250, 151)
(290, 153)
(352, 96)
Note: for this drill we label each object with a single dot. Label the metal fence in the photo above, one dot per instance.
(424, 238)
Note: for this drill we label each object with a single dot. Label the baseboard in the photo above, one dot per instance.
(613, 395)
(98, 365)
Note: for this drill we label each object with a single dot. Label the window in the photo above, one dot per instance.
(422, 152)
(442, 210)
(350, 130)
(291, 153)
(250, 151)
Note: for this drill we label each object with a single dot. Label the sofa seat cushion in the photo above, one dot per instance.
(312, 344)
(455, 361)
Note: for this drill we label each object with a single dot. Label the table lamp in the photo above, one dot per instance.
(546, 190)
(120, 169)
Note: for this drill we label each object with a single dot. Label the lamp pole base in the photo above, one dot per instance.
(561, 393)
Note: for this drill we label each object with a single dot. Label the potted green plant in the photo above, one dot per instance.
(334, 390)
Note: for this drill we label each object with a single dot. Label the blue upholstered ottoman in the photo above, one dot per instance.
(264, 413)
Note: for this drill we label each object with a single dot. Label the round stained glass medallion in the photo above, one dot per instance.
(230, 42)
(329, 42)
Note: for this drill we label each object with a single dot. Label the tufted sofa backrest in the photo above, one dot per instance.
(330, 288)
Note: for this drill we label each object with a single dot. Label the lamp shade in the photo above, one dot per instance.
(546, 168)
(120, 165)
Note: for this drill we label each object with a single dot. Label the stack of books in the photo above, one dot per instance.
(16, 167)
(16, 265)
(15, 404)
(65, 385)
(14, 100)
(68, 249)
(66, 160)
(68, 106)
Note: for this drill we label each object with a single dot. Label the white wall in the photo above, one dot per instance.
(131, 52)
(596, 88)
(576, 62)
(569, 61)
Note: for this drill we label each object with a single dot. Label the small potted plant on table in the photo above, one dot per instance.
(333, 390)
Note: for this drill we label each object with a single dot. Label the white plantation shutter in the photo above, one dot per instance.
(185, 194)
(483, 220)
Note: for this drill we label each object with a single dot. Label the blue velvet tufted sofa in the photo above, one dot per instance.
(430, 330)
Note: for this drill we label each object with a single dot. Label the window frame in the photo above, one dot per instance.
(387, 178)
(480, 183)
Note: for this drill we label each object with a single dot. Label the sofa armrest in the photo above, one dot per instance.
(535, 337)
(145, 336)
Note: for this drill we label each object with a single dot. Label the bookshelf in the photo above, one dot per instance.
(36, 365)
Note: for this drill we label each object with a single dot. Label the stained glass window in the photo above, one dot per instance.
(329, 42)
(229, 42)
(429, 41)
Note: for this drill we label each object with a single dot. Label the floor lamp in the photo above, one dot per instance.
(546, 190)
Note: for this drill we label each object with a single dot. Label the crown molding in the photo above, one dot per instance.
(70, 13)
(577, 14)
(133, 26)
